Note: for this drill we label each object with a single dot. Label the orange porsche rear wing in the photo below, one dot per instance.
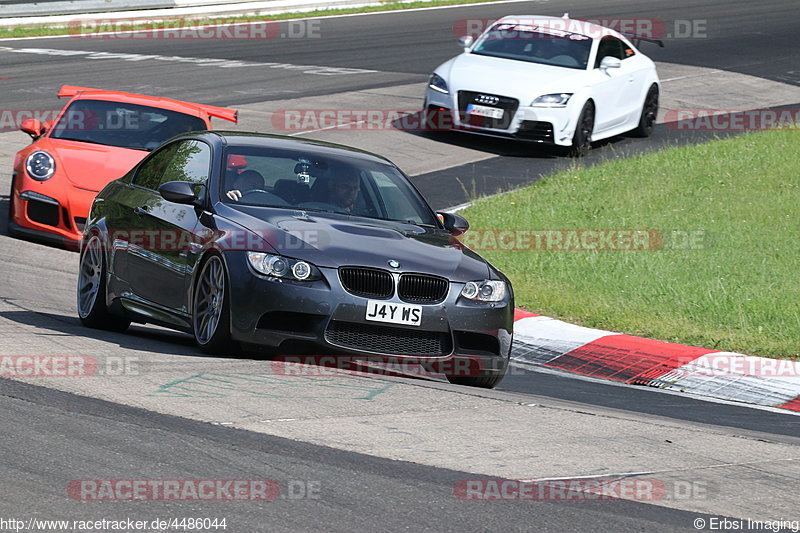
(232, 115)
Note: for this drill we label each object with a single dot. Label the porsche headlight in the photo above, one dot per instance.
(552, 100)
(437, 83)
(283, 267)
(40, 165)
(488, 290)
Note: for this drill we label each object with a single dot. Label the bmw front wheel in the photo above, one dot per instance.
(211, 308)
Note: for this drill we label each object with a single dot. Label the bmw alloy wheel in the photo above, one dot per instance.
(209, 300)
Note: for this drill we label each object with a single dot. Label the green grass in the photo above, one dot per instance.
(736, 289)
(39, 30)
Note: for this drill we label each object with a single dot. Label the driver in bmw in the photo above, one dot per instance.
(344, 189)
(247, 181)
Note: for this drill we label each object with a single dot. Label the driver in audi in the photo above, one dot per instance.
(249, 180)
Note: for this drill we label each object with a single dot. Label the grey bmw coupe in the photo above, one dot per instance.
(297, 246)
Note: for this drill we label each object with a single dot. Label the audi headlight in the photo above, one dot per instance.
(552, 100)
(488, 290)
(437, 83)
(283, 267)
(40, 165)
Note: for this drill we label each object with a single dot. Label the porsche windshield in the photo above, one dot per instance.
(320, 182)
(536, 44)
(122, 125)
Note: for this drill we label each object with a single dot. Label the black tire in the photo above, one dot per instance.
(91, 290)
(647, 119)
(582, 138)
(484, 380)
(9, 227)
(211, 315)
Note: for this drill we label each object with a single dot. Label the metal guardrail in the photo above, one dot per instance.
(61, 7)
(16, 8)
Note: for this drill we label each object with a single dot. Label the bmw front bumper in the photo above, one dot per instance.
(322, 317)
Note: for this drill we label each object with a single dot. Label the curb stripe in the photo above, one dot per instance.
(541, 340)
(792, 405)
(626, 358)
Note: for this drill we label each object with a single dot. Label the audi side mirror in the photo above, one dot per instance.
(466, 41)
(610, 62)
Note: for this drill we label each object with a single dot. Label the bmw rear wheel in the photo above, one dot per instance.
(211, 308)
(92, 309)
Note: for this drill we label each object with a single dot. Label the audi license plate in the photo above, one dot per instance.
(409, 315)
(484, 111)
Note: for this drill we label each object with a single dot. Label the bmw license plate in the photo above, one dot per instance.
(484, 111)
(409, 315)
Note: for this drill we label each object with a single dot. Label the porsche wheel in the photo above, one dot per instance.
(91, 292)
(647, 121)
(9, 228)
(211, 308)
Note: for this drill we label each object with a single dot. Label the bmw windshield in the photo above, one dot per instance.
(122, 125)
(535, 44)
(325, 182)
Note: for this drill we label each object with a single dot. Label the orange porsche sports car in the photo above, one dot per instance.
(96, 138)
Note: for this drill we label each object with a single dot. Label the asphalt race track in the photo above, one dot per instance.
(385, 452)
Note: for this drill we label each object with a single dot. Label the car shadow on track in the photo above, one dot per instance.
(138, 337)
(161, 341)
(506, 147)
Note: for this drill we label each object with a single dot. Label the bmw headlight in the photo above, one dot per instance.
(40, 165)
(437, 83)
(552, 100)
(283, 267)
(488, 290)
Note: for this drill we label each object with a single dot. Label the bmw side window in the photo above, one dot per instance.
(191, 161)
(152, 170)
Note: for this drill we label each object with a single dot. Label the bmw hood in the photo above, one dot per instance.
(92, 166)
(333, 241)
(508, 77)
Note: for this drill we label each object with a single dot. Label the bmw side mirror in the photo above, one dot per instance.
(32, 127)
(455, 224)
(179, 192)
(610, 62)
(466, 41)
